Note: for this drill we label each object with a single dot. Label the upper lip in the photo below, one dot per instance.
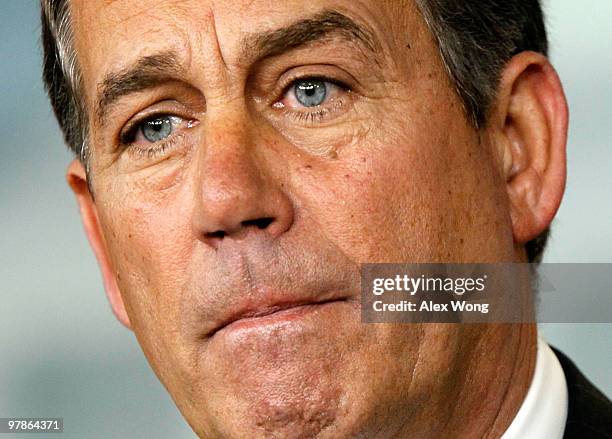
(265, 309)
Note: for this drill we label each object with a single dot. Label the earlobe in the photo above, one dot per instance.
(531, 118)
(77, 180)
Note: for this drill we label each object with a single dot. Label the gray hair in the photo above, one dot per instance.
(475, 38)
(62, 75)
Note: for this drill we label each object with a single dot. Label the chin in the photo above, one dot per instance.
(283, 409)
(287, 379)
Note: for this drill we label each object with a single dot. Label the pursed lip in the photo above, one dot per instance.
(262, 311)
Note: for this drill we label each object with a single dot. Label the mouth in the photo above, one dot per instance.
(273, 314)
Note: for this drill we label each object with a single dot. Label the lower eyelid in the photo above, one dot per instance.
(154, 149)
(317, 115)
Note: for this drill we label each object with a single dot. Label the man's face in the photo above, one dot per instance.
(246, 157)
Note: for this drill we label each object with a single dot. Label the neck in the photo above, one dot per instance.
(497, 381)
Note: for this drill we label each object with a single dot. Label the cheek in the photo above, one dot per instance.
(150, 245)
(415, 194)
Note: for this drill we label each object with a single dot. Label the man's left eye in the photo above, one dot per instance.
(309, 93)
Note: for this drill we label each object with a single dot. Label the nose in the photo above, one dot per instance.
(237, 195)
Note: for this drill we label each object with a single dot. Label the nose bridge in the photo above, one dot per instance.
(227, 158)
(236, 194)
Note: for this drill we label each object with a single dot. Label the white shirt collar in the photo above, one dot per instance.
(543, 413)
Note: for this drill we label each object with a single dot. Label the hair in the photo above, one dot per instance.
(475, 39)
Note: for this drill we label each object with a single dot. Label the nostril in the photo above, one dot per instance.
(215, 238)
(260, 223)
(219, 234)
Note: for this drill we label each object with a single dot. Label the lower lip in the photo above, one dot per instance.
(295, 314)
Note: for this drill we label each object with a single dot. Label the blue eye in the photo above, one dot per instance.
(157, 129)
(311, 92)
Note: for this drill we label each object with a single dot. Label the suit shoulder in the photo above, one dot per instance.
(589, 410)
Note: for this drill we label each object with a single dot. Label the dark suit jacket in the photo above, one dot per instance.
(589, 412)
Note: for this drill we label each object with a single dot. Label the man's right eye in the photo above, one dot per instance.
(155, 134)
(157, 129)
(152, 130)
(310, 93)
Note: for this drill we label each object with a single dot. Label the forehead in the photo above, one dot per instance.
(252, 15)
(111, 33)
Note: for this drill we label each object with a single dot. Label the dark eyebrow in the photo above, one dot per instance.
(146, 72)
(151, 70)
(319, 27)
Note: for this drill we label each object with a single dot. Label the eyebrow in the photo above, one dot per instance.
(148, 71)
(325, 24)
(155, 69)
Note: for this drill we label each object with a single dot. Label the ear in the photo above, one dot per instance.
(529, 124)
(77, 179)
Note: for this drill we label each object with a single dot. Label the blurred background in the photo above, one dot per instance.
(63, 354)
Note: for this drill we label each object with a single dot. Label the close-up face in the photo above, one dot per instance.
(245, 158)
